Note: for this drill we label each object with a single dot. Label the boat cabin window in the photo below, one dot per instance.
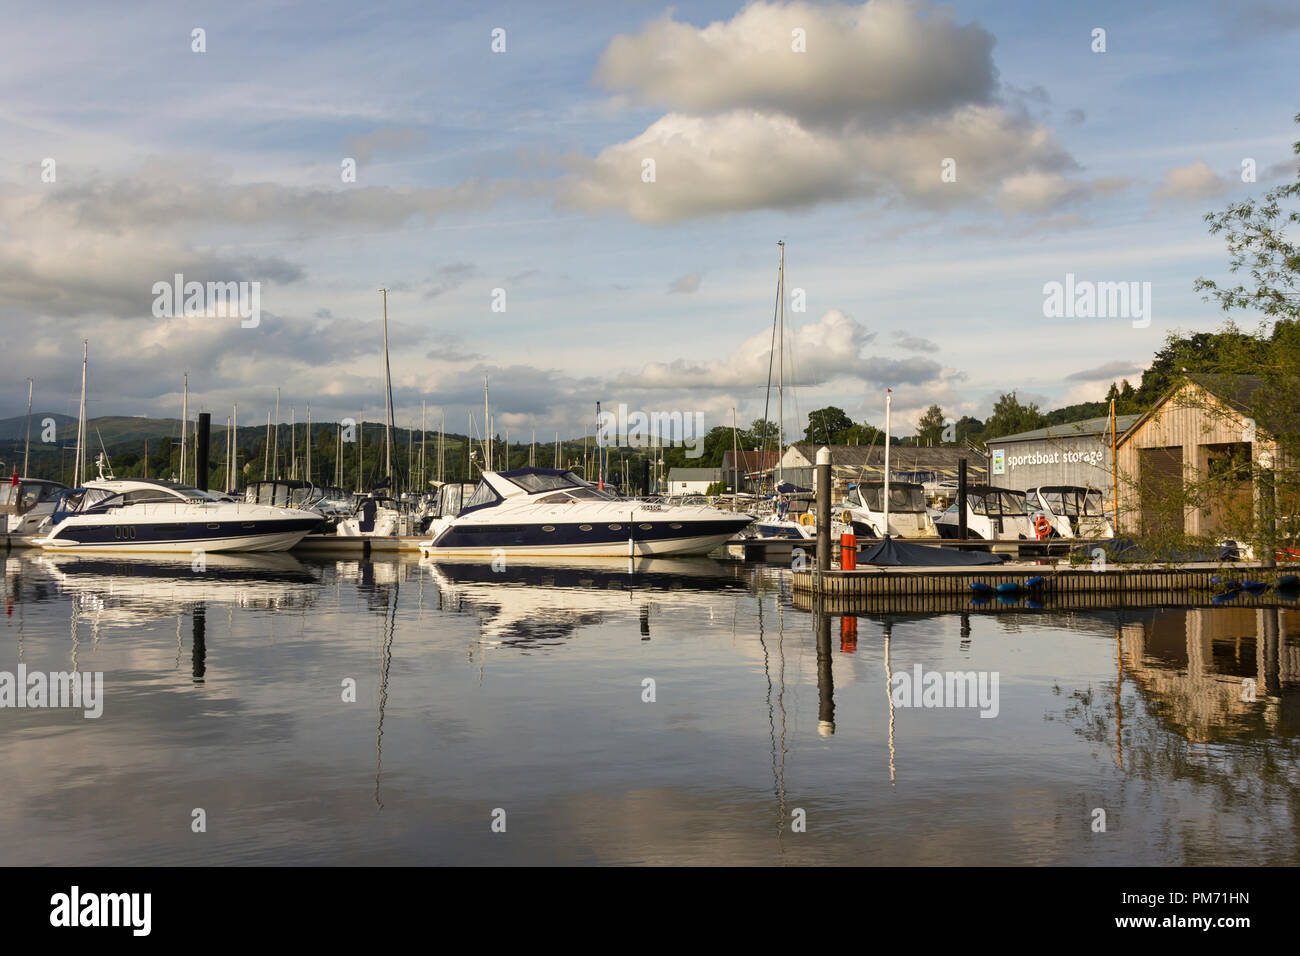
(483, 495)
(1093, 504)
(535, 483)
(901, 497)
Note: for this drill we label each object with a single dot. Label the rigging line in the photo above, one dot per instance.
(767, 401)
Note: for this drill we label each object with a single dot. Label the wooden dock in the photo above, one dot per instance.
(1057, 579)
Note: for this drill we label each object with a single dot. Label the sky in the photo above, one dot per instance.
(929, 168)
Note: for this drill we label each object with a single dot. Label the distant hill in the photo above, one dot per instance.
(16, 427)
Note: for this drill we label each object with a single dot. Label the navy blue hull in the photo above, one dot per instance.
(574, 536)
(144, 535)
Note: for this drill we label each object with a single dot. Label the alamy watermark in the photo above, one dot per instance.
(215, 300)
(640, 429)
(57, 689)
(922, 688)
(1084, 299)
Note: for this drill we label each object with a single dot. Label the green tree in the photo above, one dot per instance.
(827, 426)
(762, 432)
(929, 430)
(1010, 417)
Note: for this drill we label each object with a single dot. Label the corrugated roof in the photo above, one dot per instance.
(1087, 426)
(902, 458)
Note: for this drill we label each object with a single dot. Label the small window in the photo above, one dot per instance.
(675, 526)
(584, 527)
(616, 527)
(645, 527)
(548, 527)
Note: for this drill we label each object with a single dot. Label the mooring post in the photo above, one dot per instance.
(201, 451)
(961, 499)
(825, 675)
(823, 509)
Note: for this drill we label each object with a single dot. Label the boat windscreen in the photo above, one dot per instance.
(535, 482)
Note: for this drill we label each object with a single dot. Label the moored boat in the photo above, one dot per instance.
(550, 511)
(144, 515)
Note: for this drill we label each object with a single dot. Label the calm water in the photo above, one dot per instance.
(523, 691)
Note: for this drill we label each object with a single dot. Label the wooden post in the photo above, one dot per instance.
(961, 499)
(823, 509)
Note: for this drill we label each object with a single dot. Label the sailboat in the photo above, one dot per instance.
(25, 503)
(791, 516)
(379, 515)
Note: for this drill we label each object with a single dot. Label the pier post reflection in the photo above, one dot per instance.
(825, 676)
(199, 643)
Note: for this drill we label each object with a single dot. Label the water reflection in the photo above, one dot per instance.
(521, 687)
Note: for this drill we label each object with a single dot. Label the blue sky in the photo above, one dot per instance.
(521, 171)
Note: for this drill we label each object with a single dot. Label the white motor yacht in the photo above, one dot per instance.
(143, 515)
(549, 511)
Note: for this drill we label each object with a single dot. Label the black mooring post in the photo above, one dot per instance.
(201, 451)
(825, 675)
(961, 499)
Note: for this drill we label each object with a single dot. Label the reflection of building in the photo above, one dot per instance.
(1192, 664)
(1210, 426)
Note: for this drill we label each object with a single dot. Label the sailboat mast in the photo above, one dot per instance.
(308, 475)
(780, 367)
(388, 399)
(185, 422)
(79, 466)
(234, 447)
(424, 421)
(27, 447)
(889, 404)
(487, 445)
(275, 455)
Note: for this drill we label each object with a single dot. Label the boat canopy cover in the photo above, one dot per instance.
(786, 488)
(895, 553)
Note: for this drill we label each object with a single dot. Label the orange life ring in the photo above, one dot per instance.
(1042, 526)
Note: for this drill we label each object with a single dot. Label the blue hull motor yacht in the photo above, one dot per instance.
(549, 511)
(143, 515)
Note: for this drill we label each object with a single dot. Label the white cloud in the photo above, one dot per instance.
(1196, 181)
(887, 93)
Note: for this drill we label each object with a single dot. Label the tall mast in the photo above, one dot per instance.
(889, 404)
(487, 452)
(423, 435)
(442, 435)
(185, 422)
(275, 455)
(293, 443)
(780, 366)
(361, 451)
(308, 475)
(234, 447)
(266, 458)
(27, 446)
(79, 466)
(388, 400)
